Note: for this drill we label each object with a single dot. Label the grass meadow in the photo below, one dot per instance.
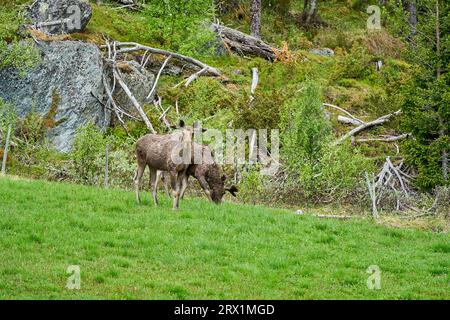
(203, 251)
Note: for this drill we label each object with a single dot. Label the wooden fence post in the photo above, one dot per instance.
(5, 151)
(371, 186)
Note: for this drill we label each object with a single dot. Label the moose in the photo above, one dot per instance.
(161, 153)
(208, 174)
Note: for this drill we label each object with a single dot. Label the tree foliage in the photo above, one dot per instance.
(426, 97)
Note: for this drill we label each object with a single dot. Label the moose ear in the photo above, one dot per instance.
(232, 190)
(224, 177)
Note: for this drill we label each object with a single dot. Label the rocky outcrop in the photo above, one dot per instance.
(66, 79)
(60, 16)
(324, 52)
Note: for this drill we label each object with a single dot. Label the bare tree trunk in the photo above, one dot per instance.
(255, 28)
(310, 11)
(410, 7)
(438, 75)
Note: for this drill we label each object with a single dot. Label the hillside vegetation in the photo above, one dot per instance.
(204, 251)
(289, 97)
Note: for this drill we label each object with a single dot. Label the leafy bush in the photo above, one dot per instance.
(122, 165)
(332, 38)
(342, 170)
(7, 116)
(10, 20)
(20, 56)
(262, 113)
(31, 128)
(252, 185)
(354, 64)
(88, 155)
(306, 130)
(206, 97)
(313, 165)
(179, 25)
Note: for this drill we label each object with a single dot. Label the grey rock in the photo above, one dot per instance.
(73, 15)
(70, 71)
(325, 52)
(140, 81)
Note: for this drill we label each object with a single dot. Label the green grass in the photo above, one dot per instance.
(203, 251)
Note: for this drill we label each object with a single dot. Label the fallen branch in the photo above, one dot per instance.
(385, 139)
(133, 100)
(158, 103)
(194, 76)
(157, 77)
(242, 43)
(344, 111)
(367, 125)
(255, 80)
(399, 177)
(133, 46)
(346, 120)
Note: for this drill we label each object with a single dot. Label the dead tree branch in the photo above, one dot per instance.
(242, 43)
(344, 111)
(367, 125)
(157, 77)
(346, 120)
(133, 100)
(385, 139)
(125, 47)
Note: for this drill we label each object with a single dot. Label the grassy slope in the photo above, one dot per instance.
(203, 251)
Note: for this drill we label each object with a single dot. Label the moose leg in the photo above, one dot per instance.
(205, 187)
(175, 189)
(154, 177)
(166, 182)
(184, 184)
(137, 180)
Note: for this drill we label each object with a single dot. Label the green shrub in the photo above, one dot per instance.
(206, 97)
(354, 64)
(7, 116)
(179, 25)
(31, 129)
(122, 164)
(306, 130)
(252, 185)
(315, 167)
(342, 170)
(262, 113)
(10, 19)
(20, 56)
(88, 155)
